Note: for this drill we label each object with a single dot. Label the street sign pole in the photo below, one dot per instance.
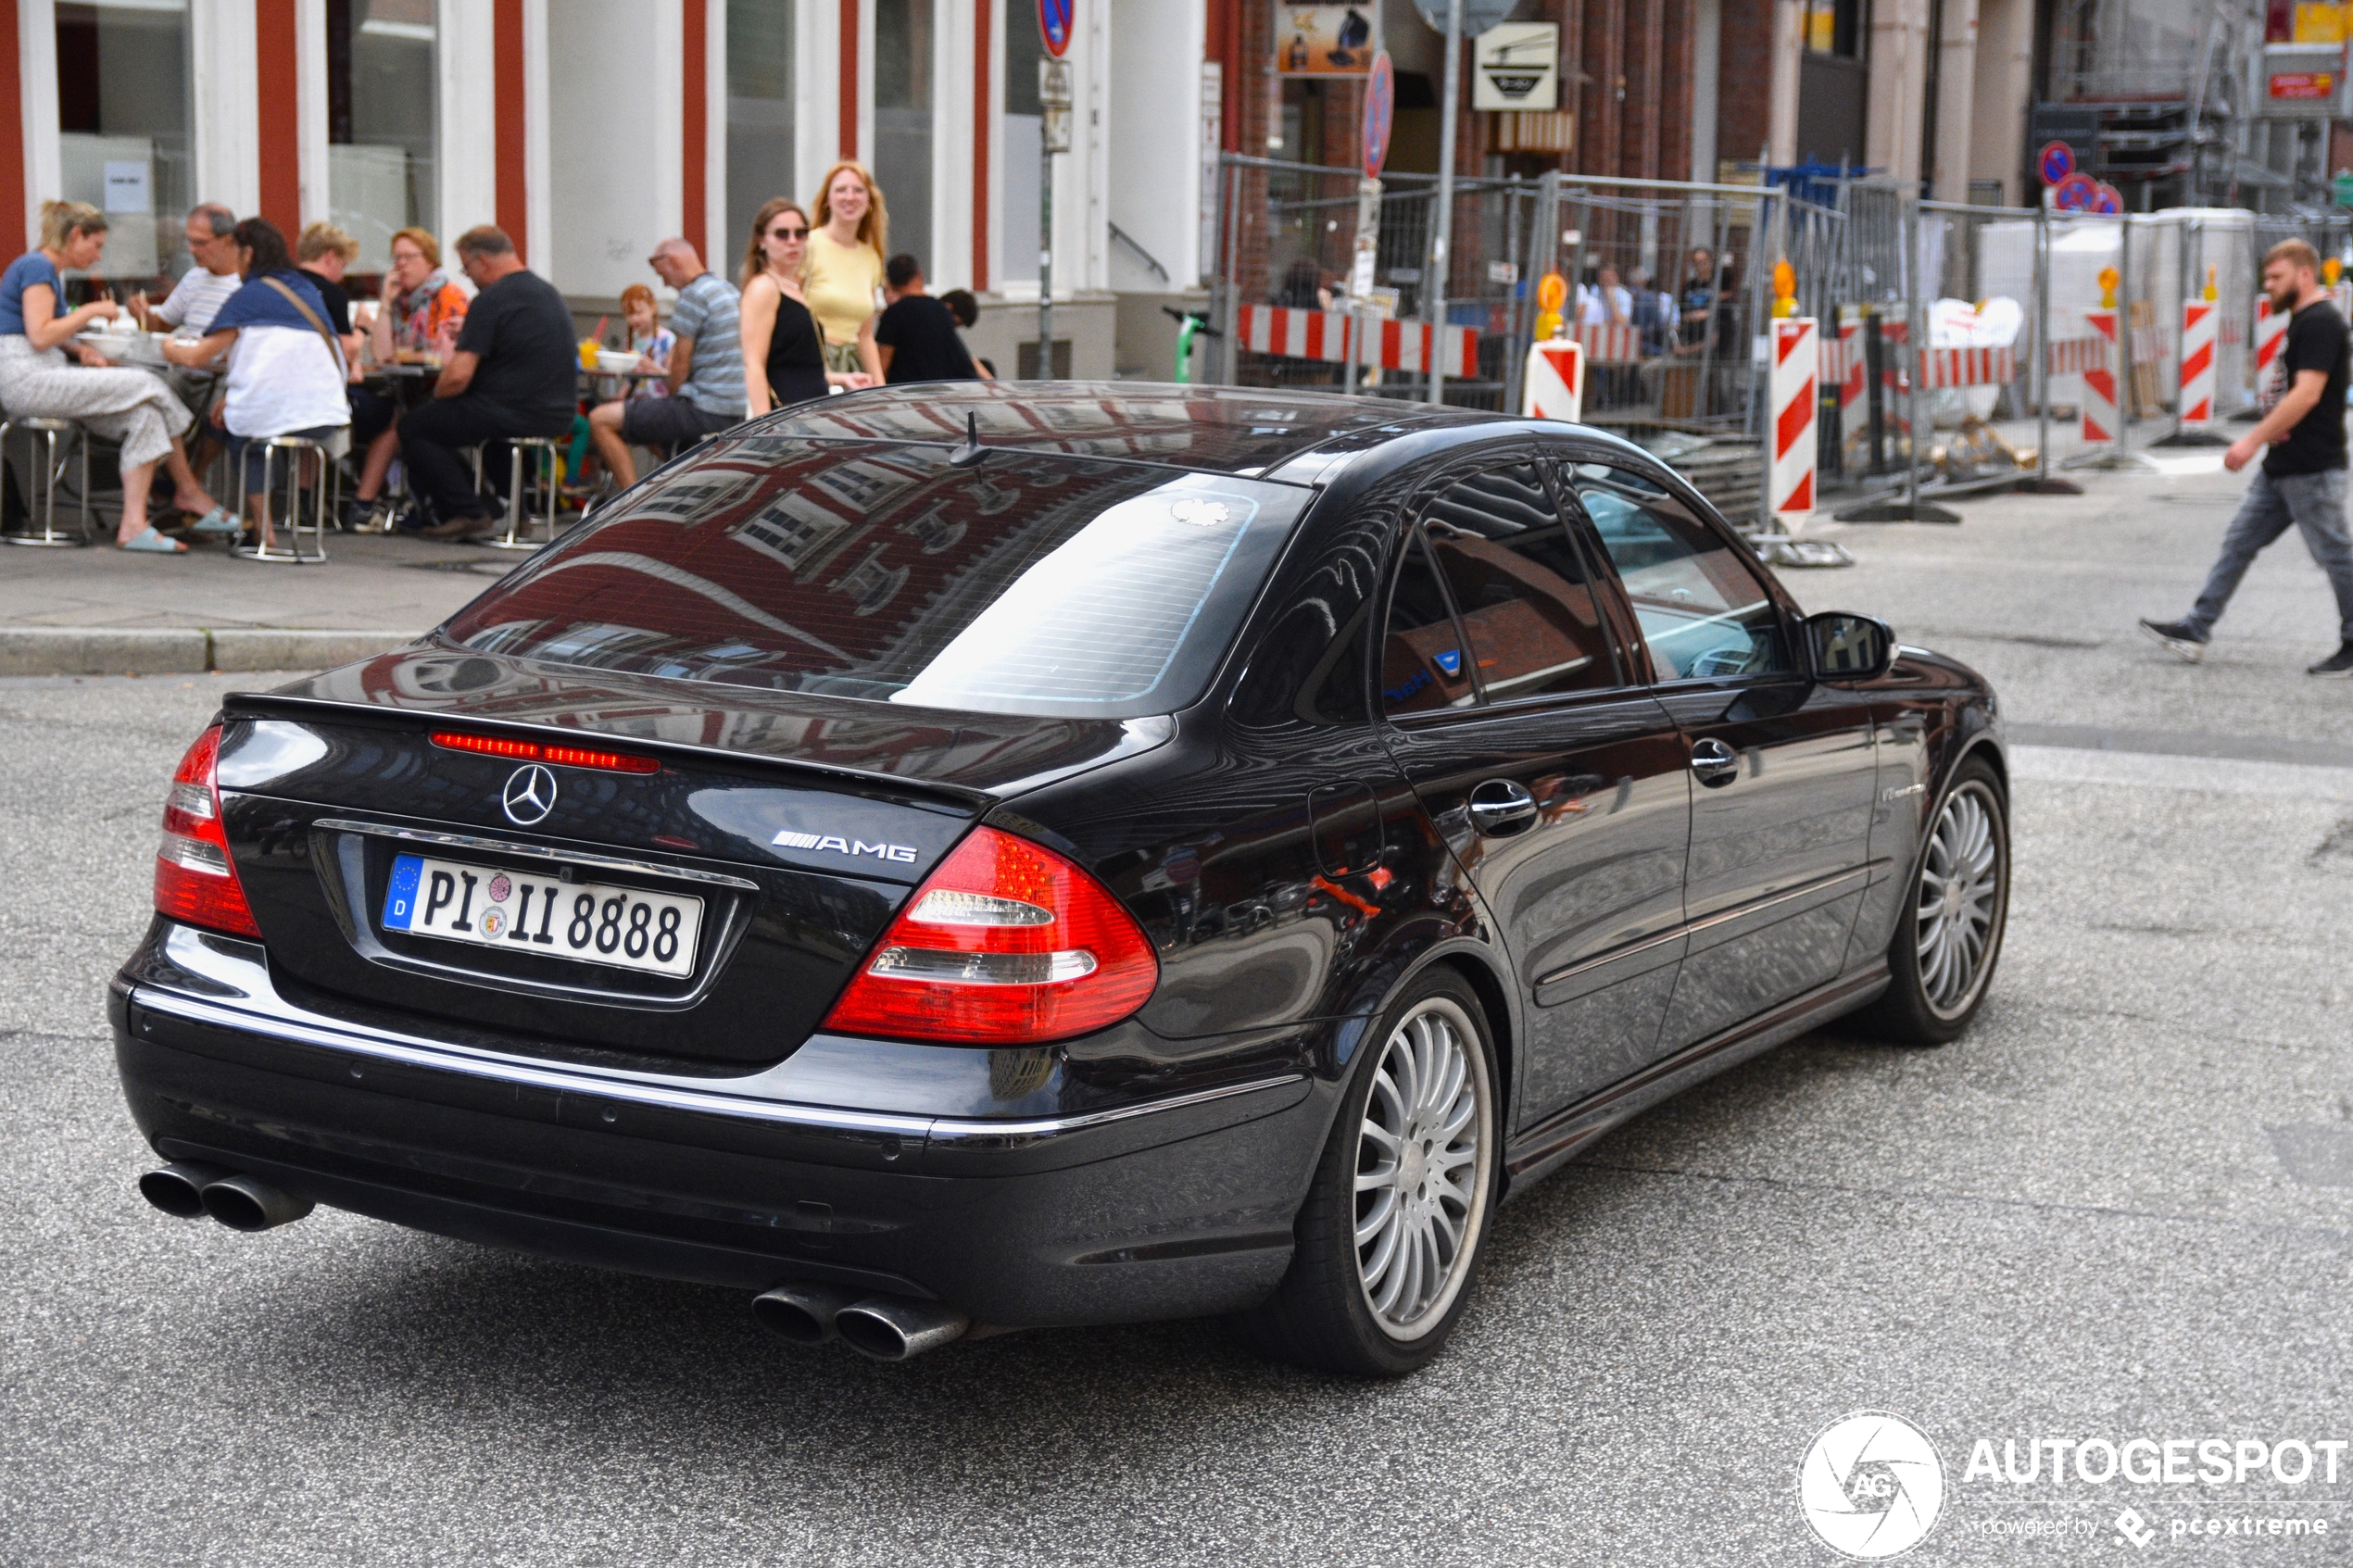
(1380, 114)
(1442, 230)
(1054, 26)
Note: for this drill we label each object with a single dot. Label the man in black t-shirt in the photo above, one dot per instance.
(513, 370)
(2302, 481)
(916, 336)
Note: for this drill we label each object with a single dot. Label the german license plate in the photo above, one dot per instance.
(534, 913)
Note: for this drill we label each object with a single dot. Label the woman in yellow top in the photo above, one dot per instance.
(844, 266)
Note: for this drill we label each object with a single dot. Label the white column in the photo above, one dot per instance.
(311, 107)
(950, 262)
(1955, 98)
(817, 61)
(865, 86)
(465, 48)
(1082, 235)
(225, 67)
(1707, 55)
(538, 200)
(1781, 117)
(1899, 87)
(718, 245)
(37, 71)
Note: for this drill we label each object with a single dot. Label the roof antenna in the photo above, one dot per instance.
(971, 451)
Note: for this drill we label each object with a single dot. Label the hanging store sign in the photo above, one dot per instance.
(2302, 82)
(1517, 66)
(1327, 40)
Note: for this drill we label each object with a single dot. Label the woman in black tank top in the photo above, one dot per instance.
(796, 353)
(784, 347)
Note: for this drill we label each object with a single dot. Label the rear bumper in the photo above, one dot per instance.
(1171, 1207)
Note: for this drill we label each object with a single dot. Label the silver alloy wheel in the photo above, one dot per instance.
(1424, 1157)
(1957, 921)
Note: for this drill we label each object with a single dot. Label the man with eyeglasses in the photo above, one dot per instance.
(210, 234)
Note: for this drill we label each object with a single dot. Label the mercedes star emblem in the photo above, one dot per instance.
(530, 795)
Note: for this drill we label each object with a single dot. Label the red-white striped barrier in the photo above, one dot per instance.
(2271, 330)
(1797, 361)
(1942, 368)
(1322, 334)
(2200, 319)
(1606, 345)
(2099, 381)
(2074, 356)
(1555, 381)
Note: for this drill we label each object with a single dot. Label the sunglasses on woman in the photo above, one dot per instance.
(788, 233)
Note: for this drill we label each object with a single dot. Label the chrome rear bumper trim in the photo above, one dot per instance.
(955, 1132)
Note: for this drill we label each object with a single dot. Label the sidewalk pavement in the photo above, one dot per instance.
(101, 611)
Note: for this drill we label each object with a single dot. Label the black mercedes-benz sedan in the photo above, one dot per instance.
(944, 860)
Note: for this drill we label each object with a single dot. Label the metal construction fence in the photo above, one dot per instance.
(1975, 326)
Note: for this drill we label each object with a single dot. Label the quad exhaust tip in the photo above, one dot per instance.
(243, 1203)
(885, 1328)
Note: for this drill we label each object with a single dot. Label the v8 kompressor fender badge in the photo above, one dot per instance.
(901, 854)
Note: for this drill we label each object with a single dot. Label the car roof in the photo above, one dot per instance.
(1246, 431)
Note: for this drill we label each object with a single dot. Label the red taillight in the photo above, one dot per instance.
(537, 751)
(1005, 944)
(195, 881)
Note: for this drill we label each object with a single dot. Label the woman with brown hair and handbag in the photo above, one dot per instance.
(287, 370)
(784, 347)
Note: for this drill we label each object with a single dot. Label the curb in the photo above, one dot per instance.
(178, 650)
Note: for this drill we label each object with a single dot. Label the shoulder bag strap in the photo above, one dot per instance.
(316, 324)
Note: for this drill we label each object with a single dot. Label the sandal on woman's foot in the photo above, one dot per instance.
(149, 542)
(217, 520)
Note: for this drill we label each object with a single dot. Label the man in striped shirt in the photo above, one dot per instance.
(706, 371)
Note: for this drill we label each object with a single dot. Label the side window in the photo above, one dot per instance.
(1701, 607)
(1422, 664)
(1520, 586)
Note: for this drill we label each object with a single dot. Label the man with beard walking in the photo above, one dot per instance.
(2302, 481)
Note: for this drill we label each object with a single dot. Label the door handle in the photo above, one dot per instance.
(1500, 807)
(1715, 762)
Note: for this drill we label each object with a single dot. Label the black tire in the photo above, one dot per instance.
(1929, 1010)
(1322, 1315)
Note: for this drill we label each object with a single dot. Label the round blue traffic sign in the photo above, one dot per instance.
(1054, 24)
(2075, 193)
(2054, 162)
(2107, 200)
(1380, 113)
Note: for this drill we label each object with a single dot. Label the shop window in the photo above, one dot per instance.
(383, 138)
(122, 122)
(904, 41)
(759, 119)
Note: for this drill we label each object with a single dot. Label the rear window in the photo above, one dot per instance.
(1025, 583)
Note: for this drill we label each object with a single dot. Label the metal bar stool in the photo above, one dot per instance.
(288, 551)
(550, 493)
(51, 471)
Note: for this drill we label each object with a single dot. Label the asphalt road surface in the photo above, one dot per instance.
(2121, 1208)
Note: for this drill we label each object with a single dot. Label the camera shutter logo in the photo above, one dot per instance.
(530, 795)
(1871, 1487)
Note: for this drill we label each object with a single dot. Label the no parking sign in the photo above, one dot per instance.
(1054, 24)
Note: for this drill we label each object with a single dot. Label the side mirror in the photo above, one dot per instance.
(1849, 648)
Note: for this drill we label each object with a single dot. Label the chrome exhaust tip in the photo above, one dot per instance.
(802, 1313)
(178, 1189)
(245, 1204)
(890, 1328)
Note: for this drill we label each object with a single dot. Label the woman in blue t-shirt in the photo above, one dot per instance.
(128, 405)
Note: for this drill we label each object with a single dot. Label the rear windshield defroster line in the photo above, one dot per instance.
(1029, 583)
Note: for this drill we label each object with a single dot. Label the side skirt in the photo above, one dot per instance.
(1543, 1148)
